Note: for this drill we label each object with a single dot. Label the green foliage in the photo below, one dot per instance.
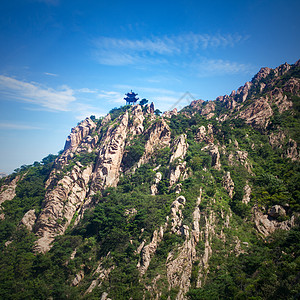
(116, 112)
(143, 101)
(157, 112)
(125, 216)
(30, 191)
(266, 271)
(133, 153)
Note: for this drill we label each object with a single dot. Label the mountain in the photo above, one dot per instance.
(198, 204)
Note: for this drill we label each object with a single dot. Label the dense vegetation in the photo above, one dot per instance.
(125, 216)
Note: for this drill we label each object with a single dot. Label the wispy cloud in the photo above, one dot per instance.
(50, 74)
(113, 51)
(32, 92)
(15, 126)
(87, 91)
(112, 97)
(210, 67)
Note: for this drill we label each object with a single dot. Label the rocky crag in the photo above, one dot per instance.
(142, 206)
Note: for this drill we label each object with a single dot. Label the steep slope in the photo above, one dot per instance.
(197, 204)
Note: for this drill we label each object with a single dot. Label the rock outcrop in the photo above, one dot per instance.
(169, 114)
(110, 156)
(60, 205)
(8, 191)
(158, 178)
(179, 171)
(213, 150)
(247, 193)
(102, 273)
(276, 211)
(147, 251)
(158, 136)
(266, 225)
(29, 219)
(258, 113)
(228, 184)
(179, 148)
(176, 215)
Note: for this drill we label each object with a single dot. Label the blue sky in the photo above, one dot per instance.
(63, 60)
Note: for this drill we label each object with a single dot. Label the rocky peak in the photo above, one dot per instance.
(263, 73)
(79, 132)
(282, 69)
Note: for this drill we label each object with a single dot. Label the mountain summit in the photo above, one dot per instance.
(197, 204)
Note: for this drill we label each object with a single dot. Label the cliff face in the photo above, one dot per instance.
(142, 206)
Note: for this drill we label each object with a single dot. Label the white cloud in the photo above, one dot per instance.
(14, 126)
(209, 67)
(113, 51)
(87, 91)
(50, 74)
(112, 97)
(57, 100)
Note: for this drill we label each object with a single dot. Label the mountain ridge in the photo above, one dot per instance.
(162, 197)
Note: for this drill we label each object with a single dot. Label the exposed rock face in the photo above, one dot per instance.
(177, 172)
(265, 225)
(104, 296)
(137, 119)
(60, 205)
(247, 193)
(263, 73)
(280, 100)
(29, 219)
(8, 191)
(258, 113)
(158, 177)
(215, 155)
(204, 135)
(110, 156)
(71, 193)
(78, 133)
(78, 277)
(106, 120)
(147, 251)
(201, 134)
(169, 114)
(205, 108)
(179, 148)
(276, 140)
(232, 101)
(240, 156)
(102, 274)
(228, 184)
(179, 268)
(292, 150)
(159, 136)
(176, 214)
(292, 86)
(208, 108)
(276, 211)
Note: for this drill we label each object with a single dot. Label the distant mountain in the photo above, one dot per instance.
(198, 204)
(2, 174)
